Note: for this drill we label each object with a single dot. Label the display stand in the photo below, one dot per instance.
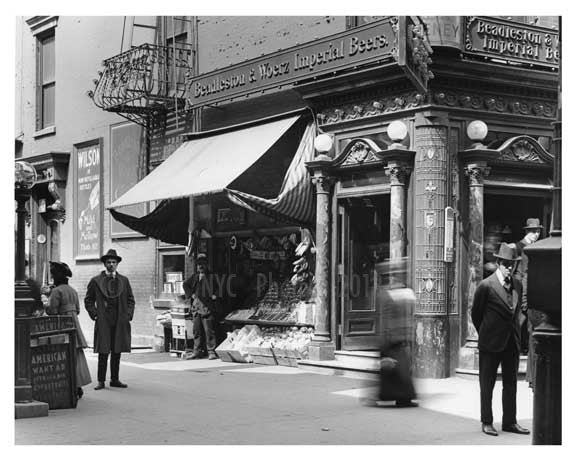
(53, 351)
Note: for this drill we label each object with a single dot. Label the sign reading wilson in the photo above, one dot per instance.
(372, 44)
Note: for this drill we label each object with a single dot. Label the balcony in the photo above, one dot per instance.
(144, 81)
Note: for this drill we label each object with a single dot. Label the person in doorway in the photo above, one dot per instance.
(63, 300)
(110, 303)
(495, 311)
(200, 290)
(529, 318)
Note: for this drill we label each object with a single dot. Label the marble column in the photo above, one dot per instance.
(475, 172)
(322, 347)
(398, 173)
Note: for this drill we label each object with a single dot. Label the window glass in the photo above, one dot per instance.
(48, 102)
(48, 59)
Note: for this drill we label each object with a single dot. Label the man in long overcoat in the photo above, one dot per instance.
(495, 311)
(110, 303)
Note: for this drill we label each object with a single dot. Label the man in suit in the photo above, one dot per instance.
(201, 290)
(495, 311)
(110, 303)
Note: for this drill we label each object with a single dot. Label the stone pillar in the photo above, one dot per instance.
(431, 317)
(398, 173)
(475, 172)
(322, 347)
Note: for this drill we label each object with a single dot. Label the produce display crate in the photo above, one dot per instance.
(227, 354)
(262, 355)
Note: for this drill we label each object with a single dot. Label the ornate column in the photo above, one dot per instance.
(475, 172)
(25, 406)
(432, 358)
(399, 173)
(322, 347)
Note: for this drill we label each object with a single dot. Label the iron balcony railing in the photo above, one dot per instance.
(146, 79)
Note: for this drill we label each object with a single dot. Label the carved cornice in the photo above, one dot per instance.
(358, 152)
(495, 103)
(372, 107)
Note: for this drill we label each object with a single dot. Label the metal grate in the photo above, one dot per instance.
(142, 81)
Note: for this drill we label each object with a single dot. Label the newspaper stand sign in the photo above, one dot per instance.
(53, 357)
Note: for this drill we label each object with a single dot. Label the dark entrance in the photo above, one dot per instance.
(363, 230)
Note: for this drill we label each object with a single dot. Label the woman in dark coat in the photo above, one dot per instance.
(63, 300)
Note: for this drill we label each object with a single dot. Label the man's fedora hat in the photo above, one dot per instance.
(508, 252)
(533, 223)
(60, 267)
(201, 258)
(111, 255)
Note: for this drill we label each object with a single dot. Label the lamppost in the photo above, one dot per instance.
(25, 406)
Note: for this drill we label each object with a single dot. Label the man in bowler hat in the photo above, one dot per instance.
(110, 303)
(495, 311)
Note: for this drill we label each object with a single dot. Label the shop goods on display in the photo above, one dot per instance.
(268, 345)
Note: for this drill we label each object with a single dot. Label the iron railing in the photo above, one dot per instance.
(142, 81)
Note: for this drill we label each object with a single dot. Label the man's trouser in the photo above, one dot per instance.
(114, 361)
(509, 358)
(203, 327)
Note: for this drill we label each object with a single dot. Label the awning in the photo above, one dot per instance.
(296, 201)
(207, 164)
(168, 222)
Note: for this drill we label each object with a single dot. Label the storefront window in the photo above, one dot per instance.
(172, 272)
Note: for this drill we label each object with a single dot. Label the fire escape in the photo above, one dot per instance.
(145, 82)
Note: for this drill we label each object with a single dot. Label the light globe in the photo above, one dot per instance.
(477, 130)
(24, 175)
(397, 131)
(323, 142)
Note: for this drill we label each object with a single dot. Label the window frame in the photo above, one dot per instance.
(42, 28)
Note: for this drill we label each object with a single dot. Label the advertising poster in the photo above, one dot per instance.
(127, 157)
(88, 206)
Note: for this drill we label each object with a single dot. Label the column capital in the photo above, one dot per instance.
(476, 172)
(323, 182)
(398, 172)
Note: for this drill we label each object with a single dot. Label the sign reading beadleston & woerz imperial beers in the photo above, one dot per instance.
(372, 44)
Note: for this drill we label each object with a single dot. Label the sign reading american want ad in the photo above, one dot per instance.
(373, 44)
(511, 41)
(88, 200)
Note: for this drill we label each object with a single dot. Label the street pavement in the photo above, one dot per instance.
(182, 402)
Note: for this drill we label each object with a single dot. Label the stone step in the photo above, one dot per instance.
(339, 368)
(358, 359)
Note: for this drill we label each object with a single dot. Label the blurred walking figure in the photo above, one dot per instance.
(397, 339)
(64, 300)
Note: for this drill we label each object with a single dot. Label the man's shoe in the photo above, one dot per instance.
(118, 384)
(516, 428)
(99, 386)
(406, 403)
(212, 356)
(79, 393)
(489, 429)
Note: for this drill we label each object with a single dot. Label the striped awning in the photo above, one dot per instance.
(168, 222)
(295, 202)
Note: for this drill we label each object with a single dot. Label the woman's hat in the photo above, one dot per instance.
(111, 255)
(60, 267)
(533, 223)
(508, 252)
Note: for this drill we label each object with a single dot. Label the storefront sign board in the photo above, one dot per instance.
(370, 45)
(511, 41)
(88, 198)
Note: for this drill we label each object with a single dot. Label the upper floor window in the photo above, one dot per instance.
(44, 30)
(46, 87)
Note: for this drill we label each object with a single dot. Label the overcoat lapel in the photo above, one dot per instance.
(501, 292)
(102, 281)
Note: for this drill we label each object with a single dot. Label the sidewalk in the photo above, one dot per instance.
(184, 402)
